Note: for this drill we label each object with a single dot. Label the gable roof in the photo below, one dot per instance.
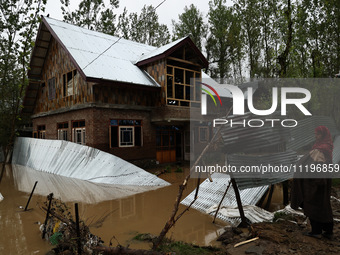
(104, 57)
(166, 50)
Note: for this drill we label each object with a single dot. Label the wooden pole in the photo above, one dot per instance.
(29, 199)
(77, 228)
(269, 199)
(218, 208)
(50, 198)
(239, 203)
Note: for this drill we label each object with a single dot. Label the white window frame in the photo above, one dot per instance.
(82, 137)
(132, 128)
(61, 134)
(42, 134)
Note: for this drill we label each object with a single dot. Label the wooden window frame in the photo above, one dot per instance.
(65, 83)
(181, 102)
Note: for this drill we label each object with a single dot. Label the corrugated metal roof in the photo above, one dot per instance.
(117, 61)
(303, 134)
(252, 139)
(249, 180)
(160, 50)
(336, 150)
(78, 161)
(210, 193)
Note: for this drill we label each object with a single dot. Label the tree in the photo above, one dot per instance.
(247, 11)
(218, 43)
(191, 24)
(92, 14)
(18, 23)
(144, 28)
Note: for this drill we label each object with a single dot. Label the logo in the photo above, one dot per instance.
(239, 100)
(204, 98)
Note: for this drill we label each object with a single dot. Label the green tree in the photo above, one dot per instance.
(220, 22)
(143, 28)
(18, 23)
(248, 12)
(92, 14)
(191, 24)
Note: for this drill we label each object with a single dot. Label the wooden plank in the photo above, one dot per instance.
(184, 61)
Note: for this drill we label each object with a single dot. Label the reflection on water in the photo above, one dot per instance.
(70, 189)
(145, 212)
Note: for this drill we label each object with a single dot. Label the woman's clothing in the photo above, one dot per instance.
(312, 194)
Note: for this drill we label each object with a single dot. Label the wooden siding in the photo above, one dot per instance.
(118, 95)
(157, 70)
(56, 64)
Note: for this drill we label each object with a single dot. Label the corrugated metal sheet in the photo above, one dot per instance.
(82, 162)
(159, 51)
(242, 138)
(253, 213)
(116, 63)
(211, 193)
(249, 180)
(303, 134)
(71, 189)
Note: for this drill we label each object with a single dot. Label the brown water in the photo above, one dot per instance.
(141, 213)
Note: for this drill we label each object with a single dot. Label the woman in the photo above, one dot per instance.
(313, 195)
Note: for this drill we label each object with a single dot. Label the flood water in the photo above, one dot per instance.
(127, 213)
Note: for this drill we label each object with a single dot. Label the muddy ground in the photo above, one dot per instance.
(286, 236)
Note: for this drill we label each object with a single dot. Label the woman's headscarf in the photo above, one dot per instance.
(325, 144)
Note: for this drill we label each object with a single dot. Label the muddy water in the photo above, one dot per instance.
(145, 212)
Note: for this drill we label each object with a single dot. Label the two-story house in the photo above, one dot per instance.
(120, 96)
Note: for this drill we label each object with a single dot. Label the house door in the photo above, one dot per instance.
(168, 144)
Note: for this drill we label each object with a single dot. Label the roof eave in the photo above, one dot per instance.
(172, 49)
(55, 36)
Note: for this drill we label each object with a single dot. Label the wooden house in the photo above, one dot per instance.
(122, 97)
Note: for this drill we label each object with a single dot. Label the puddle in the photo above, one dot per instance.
(128, 214)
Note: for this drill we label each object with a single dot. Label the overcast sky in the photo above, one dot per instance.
(166, 12)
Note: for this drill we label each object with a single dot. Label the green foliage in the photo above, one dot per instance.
(168, 169)
(18, 25)
(191, 24)
(143, 28)
(179, 170)
(92, 14)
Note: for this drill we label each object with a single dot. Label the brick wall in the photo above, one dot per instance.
(97, 121)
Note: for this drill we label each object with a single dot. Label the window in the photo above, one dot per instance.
(179, 90)
(78, 132)
(125, 133)
(203, 134)
(62, 131)
(69, 83)
(51, 88)
(41, 132)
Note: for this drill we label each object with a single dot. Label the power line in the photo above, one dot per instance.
(117, 40)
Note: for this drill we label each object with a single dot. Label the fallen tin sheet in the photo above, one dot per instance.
(253, 213)
(71, 189)
(210, 194)
(78, 161)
